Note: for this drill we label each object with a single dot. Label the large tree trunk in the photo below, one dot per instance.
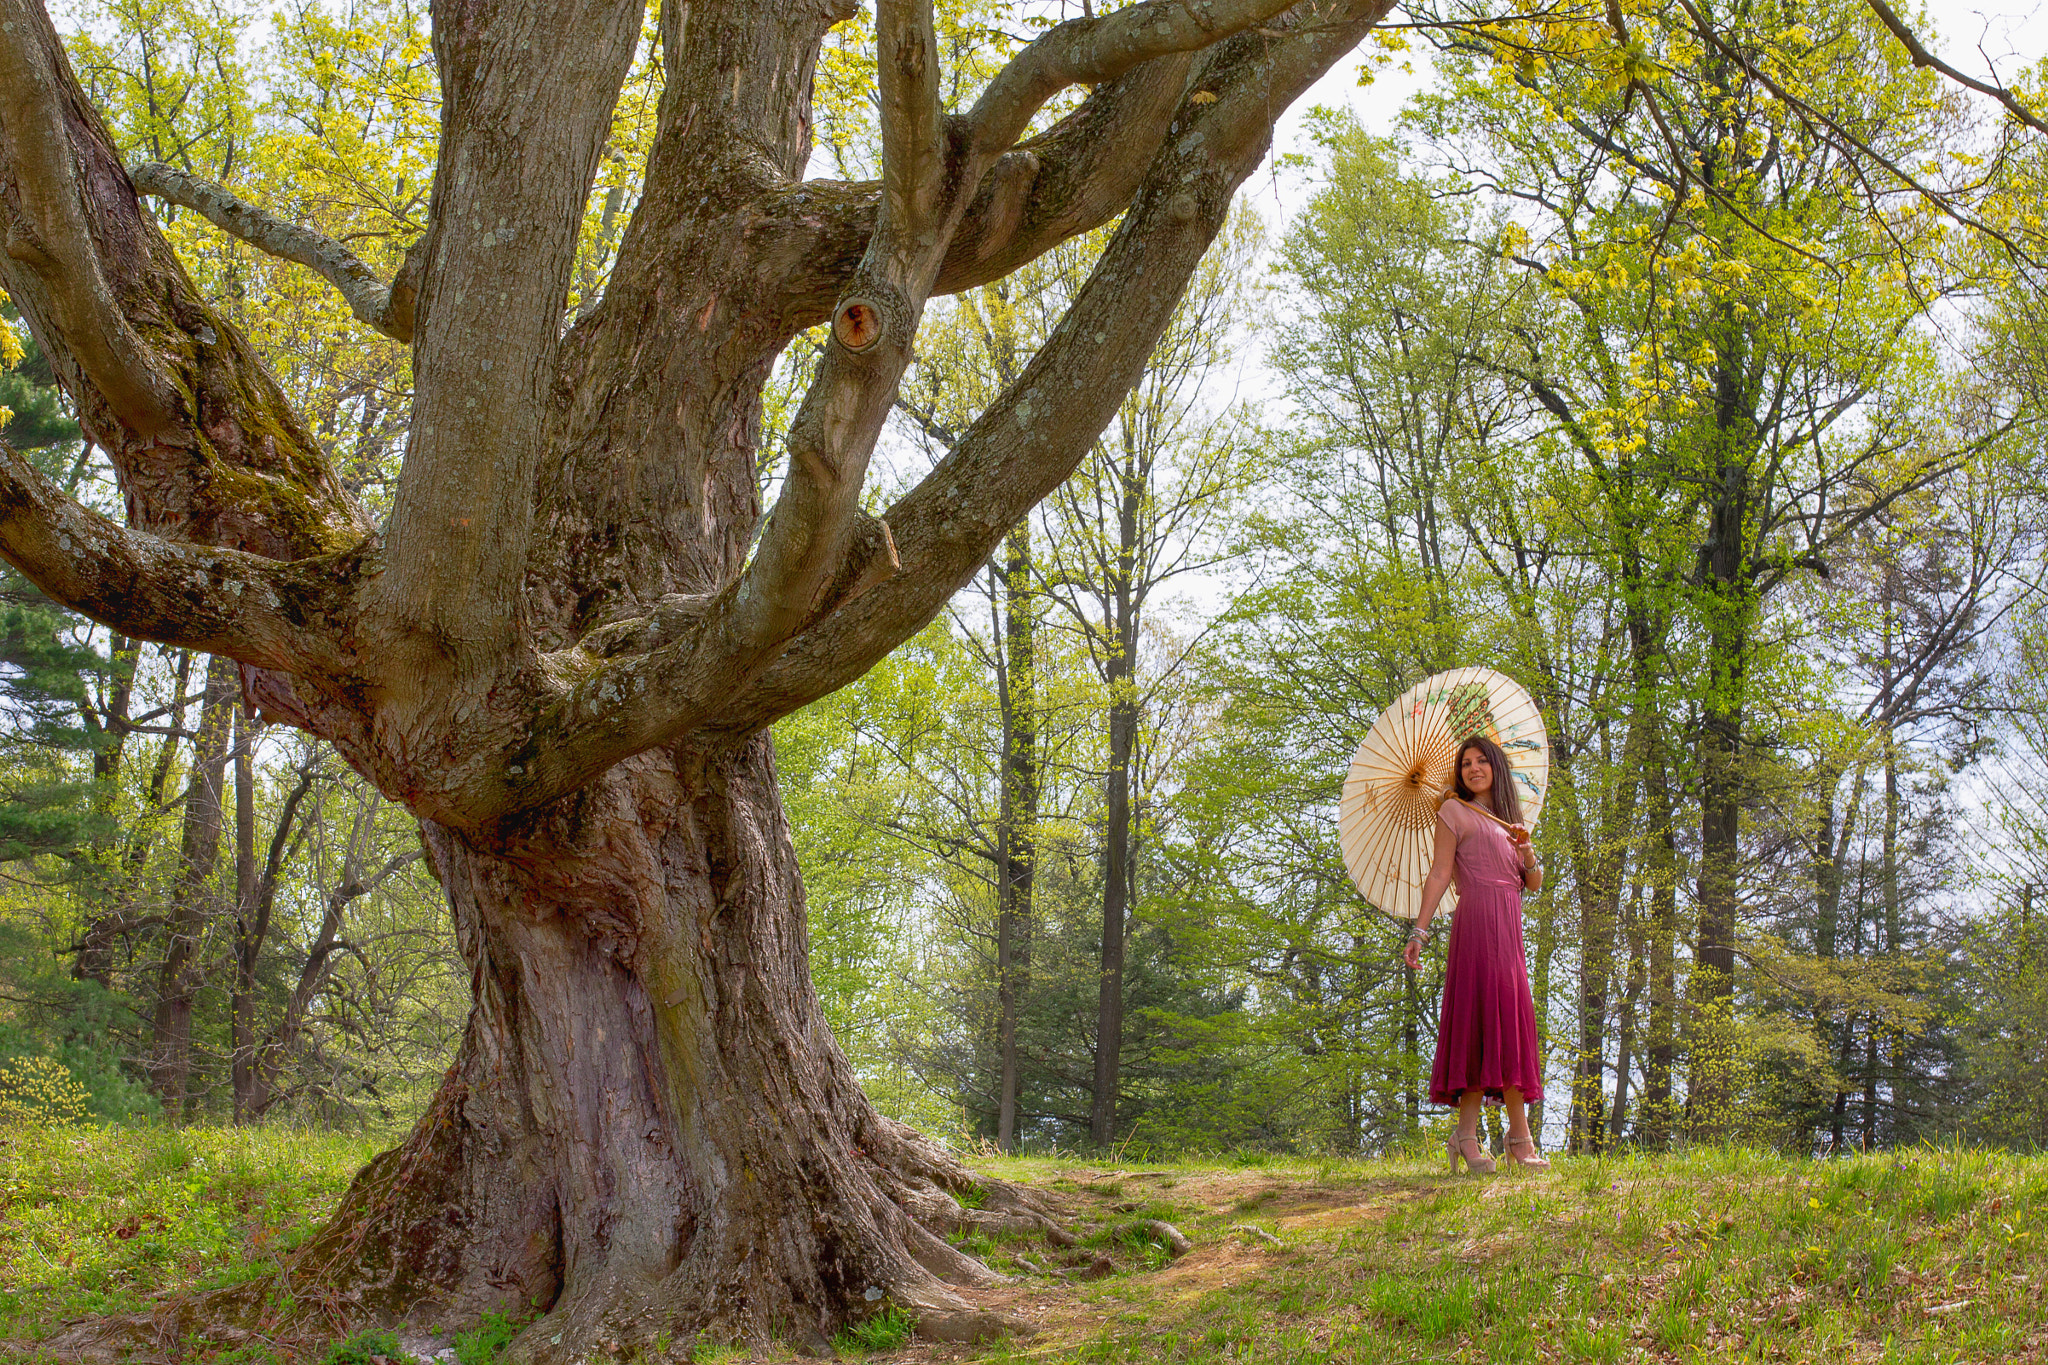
(562, 650)
(649, 1129)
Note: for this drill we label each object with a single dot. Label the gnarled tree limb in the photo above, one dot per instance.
(206, 446)
(264, 612)
(1022, 447)
(373, 302)
(1089, 51)
(925, 187)
(47, 229)
(842, 414)
(1034, 435)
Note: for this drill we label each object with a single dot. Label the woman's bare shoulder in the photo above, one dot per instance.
(1452, 812)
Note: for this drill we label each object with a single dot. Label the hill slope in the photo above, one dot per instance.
(1932, 1255)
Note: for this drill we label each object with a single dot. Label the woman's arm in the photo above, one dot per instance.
(1443, 861)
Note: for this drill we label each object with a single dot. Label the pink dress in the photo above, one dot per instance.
(1486, 1036)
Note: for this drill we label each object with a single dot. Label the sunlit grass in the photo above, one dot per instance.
(1932, 1255)
(1716, 1254)
(92, 1220)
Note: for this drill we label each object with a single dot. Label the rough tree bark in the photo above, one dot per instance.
(564, 649)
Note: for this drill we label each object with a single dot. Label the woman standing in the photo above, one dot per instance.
(1486, 1035)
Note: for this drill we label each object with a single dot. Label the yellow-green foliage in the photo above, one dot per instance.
(39, 1090)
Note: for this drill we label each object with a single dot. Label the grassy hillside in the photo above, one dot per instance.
(1933, 1255)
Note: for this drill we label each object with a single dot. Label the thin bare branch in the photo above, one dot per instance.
(373, 302)
(1923, 58)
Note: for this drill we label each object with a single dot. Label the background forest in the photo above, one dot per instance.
(1717, 421)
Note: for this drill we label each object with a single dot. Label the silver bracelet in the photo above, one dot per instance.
(1418, 934)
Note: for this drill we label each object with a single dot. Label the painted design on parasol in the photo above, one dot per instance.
(1386, 822)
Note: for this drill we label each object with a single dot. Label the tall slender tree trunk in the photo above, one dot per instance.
(253, 1062)
(1625, 1033)
(251, 927)
(1591, 876)
(1830, 851)
(1109, 1013)
(1016, 838)
(95, 961)
(1838, 1113)
(1653, 1127)
(1729, 608)
(1599, 851)
(196, 901)
(1888, 682)
(1120, 678)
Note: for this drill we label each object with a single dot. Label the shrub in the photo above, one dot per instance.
(40, 1090)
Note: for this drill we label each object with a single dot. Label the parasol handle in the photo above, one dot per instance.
(1483, 811)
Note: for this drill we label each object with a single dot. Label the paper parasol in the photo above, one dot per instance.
(1386, 823)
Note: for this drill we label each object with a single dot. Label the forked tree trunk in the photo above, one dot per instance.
(563, 649)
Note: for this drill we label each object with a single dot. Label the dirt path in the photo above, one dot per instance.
(1070, 1311)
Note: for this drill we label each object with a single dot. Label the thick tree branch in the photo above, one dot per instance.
(1032, 438)
(803, 551)
(261, 611)
(525, 115)
(1091, 50)
(374, 303)
(206, 446)
(711, 649)
(927, 188)
(913, 132)
(47, 228)
(1073, 177)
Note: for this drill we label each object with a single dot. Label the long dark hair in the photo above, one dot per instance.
(1506, 803)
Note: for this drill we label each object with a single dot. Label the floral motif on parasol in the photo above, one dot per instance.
(1386, 822)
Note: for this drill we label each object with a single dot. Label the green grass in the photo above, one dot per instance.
(888, 1330)
(93, 1220)
(1932, 1256)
